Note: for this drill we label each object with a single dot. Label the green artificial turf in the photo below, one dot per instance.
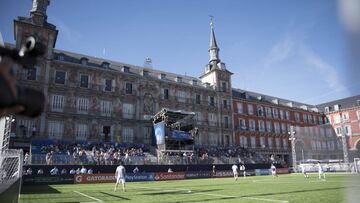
(285, 188)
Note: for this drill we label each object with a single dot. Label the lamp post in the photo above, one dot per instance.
(293, 151)
(343, 140)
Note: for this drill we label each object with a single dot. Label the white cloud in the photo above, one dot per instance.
(278, 53)
(326, 72)
(70, 35)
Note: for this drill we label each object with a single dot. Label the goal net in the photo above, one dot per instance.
(11, 163)
(318, 143)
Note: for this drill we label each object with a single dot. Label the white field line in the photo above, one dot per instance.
(210, 194)
(85, 195)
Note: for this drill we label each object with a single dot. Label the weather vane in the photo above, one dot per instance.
(211, 21)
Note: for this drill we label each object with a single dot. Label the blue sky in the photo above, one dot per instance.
(286, 48)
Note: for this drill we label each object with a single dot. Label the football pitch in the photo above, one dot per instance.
(266, 189)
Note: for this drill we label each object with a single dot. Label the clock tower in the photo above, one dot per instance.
(219, 79)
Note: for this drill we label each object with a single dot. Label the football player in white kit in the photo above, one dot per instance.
(235, 171)
(303, 170)
(120, 174)
(273, 170)
(321, 171)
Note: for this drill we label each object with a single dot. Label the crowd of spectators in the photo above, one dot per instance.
(113, 153)
(89, 153)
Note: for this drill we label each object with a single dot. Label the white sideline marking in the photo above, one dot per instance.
(98, 200)
(210, 194)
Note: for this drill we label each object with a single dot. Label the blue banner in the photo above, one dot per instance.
(160, 132)
(262, 172)
(134, 177)
(177, 134)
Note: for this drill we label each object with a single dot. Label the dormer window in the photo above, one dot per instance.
(145, 73)
(105, 64)
(327, 109)
(126, 69)
(162, 76)
(61, 57)
(178, 79)
(194, 82)
(336, 107)
(84, 61)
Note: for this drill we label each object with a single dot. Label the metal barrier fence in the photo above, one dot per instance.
(64, 159)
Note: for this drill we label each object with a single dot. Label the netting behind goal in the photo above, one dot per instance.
(11, 163)
(318, 143)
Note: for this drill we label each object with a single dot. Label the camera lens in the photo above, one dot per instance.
(32, 100)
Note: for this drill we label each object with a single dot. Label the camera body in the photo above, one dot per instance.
(32, 100)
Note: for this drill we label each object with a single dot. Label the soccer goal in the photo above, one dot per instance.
(11, 163)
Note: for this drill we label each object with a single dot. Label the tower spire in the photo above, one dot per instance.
(214, 49)
(38, 11)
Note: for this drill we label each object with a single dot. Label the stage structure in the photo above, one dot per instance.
(174, 131)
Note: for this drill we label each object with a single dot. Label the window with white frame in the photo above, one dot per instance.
(337, 119)
(261, 125)
(305, 118)
(358, 115)
(108, 85)
(268, 112)
(310, 118)
(338, 130)
(128, 135)
(82, 105)
(268, 126)
(250, 109)
(321, 121)
(242, 124)
(240, 107)
(55, 129)
(277, 127)
(243, 141)
(260, 111)
(60, 77)
(213, 139)
(128, 110)
(198, 116)
(345, 116)
(84, 81)
(347, 129)
(181, 96)
(24, 127)
(252, 125)
(275, 112)
(212, 119)
(287, 115)
(106, 108)
(81, 131)
(253, 141)
(282, 116)
(270, 142)
(226, 122)
(57, 102)
(297, 117)
(262, 142)
(147, 134)
(277, 143)
(283, 128)
(285, 143)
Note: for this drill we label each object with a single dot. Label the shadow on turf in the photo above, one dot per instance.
(117, 196)
(291, 192)
(39, 189)
(177, 192)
